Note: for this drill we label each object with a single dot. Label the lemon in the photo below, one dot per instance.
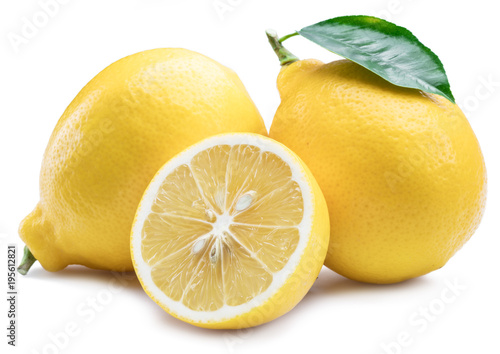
(118, 131)
(401, 170)
(231, 233)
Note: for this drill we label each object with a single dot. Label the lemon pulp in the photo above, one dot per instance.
(221, 226)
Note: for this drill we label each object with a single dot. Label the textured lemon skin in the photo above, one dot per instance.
(299, 282)
(401, 170)
(118, 131)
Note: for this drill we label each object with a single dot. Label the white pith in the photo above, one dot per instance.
(221, 224)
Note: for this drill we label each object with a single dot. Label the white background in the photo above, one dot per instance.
(41, 77)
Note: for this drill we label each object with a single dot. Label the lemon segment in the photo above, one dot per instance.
(224, 226)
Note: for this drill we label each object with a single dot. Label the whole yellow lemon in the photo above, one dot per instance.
(111, 140)
(401, 170)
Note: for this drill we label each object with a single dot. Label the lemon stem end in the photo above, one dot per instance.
(284, 55)
(27, 261)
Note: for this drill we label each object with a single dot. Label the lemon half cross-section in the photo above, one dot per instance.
(230, 233)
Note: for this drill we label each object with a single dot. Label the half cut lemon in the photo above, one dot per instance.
(230, 233)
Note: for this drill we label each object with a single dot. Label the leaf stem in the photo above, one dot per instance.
(284, 38)
(27, 261)
(284, 55)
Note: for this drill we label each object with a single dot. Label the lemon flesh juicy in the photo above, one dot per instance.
(231, 233)
(401, 170)
(119, 130)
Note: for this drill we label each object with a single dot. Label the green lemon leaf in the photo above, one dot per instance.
(384, 48)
